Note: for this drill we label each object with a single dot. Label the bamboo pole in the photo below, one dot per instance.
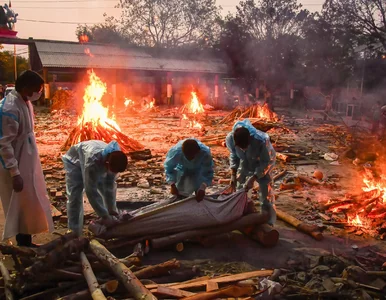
(92, 282)
(123, 273)
(7, 282)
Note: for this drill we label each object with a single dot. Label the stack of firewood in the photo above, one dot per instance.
(78, 268)
(255, 111)
(108, 133)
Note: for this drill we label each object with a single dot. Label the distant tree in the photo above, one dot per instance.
(106, 32)
(328, 56)
(7, 68)
(366, 17)
(160, 23)
(274, 28)
(271, 19)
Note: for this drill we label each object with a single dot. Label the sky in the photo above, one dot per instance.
(58, 19)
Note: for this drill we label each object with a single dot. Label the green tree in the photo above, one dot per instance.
(7, 68)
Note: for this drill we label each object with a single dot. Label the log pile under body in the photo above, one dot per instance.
(78, 269)
(108, 133)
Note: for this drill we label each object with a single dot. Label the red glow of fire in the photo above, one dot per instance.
(83, 38)
(374, 185)
(93, 110)
(87, 51)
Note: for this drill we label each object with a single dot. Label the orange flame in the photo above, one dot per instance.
(192, 123)
(195, 107)
(356, 221)
(128, 102)
(372, 184)
(93, 110)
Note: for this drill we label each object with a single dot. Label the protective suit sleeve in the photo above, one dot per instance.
(9, 128)
(171, 162)
(234, 160)
(110, 192)
(267, 160)
(91, 179)
(207, 169)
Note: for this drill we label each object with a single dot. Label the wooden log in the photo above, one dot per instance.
(219, 279)
(211, 286)
(279, 175)
(108, 288)
(92, 282)
(123, 273)
(248, 220)
(9, 295)
(7, 249)
(311, 230)
(265, 234)
(44, 249)
(233, 291)
(57, 257)
(290, 186)
(309, 180)
(283, 157)
(157, 270)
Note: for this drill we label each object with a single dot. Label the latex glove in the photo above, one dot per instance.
(200, 194)
(17, 183)
(233, 182)
(250, 182)
(174, 190)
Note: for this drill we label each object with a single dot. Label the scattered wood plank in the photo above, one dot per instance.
(172, 292)
(211, 286)
(220, 279)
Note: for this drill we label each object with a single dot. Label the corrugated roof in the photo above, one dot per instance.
(74, 55)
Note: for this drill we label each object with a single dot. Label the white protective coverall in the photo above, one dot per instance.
(85, 170)
(29, 211)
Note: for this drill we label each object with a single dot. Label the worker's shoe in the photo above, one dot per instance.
(269, 208)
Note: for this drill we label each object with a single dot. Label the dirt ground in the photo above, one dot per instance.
(158, 133)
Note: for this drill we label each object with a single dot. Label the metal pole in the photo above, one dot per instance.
(14, 58)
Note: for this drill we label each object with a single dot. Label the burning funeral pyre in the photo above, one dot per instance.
(192, 112)
(364, 212)
(260, 112)
(95, 123)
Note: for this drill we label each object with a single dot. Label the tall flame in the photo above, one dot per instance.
(93, 110)
(195, 107)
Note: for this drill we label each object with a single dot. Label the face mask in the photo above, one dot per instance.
(35, 96)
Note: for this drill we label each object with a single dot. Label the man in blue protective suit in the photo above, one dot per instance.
(251, 153)
(92, 166)
(189, 168)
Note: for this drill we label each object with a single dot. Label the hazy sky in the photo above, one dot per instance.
(62, 16)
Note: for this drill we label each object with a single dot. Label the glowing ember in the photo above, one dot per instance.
(128, 102)
(192, 123)
(195, 107)
(372, 184)
(93, 110)
(355, 221)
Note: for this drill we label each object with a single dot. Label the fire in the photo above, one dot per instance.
(195, 107)
(374, 185)
(355, 221)
(128, 102)
(93, 110)
(192, 123)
